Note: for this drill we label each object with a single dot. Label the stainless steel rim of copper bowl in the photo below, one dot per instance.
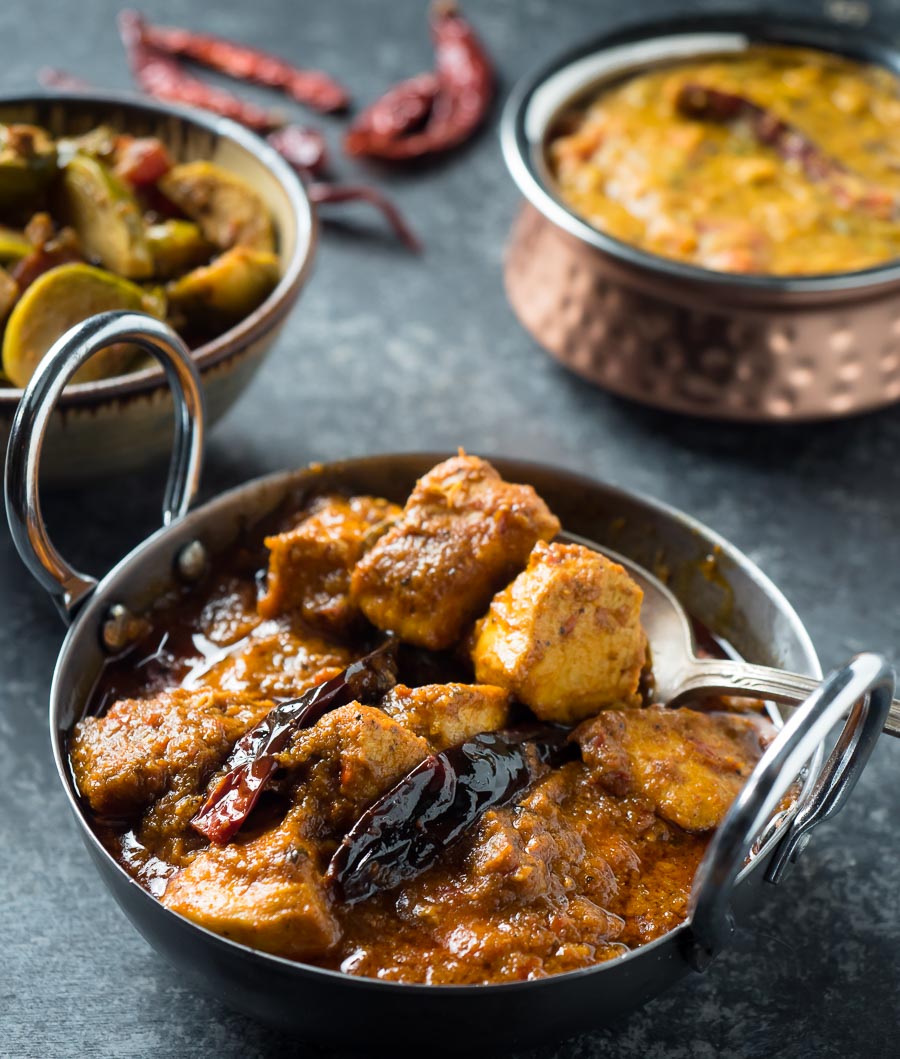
(740, 603)
(668, 333)
(70, 110)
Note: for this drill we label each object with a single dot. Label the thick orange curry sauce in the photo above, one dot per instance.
(595, 858)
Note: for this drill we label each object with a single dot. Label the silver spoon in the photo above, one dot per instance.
(677, 671)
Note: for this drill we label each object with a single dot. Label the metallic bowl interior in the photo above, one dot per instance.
(666, 332)
(720, 587)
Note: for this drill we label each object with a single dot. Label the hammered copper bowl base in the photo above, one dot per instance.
(720, 357)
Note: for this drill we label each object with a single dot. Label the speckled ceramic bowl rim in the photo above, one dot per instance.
(253, 326)
(647, 43)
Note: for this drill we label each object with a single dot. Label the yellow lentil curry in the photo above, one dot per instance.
(782, 161)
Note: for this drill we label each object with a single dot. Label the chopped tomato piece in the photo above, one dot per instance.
(141, 160)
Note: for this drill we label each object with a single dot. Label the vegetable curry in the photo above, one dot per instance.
(777, 160)
(411, 743)
(104, 220)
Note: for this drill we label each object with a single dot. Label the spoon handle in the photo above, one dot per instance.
(730, 677)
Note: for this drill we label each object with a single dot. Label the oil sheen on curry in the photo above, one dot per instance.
(777, 160)
(413, 743)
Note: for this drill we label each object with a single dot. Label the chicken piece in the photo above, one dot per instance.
(266, 892)
(127, 758)
(535, 853)
(165, 830)
(463, 534)
(276, 662)
(310, 565)
(690, 765)
(565, 637)
(346, 760)
(446, 714)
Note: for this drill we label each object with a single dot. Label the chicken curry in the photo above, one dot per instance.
(416, 744)
(777, 160)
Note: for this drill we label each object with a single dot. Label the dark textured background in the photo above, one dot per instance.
(389, 352)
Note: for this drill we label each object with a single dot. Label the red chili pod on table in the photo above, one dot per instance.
(310, 87)
(161, 76)
(402, 110)
(401, 125)
(325, 194)
(301, 147)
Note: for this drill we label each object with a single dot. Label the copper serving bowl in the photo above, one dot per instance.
(671, 334)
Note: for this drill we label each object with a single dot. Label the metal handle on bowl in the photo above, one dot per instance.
(68, 586)
(860, 692)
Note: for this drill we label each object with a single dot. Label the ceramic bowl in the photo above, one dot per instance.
(123, 423)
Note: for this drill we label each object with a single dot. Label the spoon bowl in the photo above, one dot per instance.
(679, 674)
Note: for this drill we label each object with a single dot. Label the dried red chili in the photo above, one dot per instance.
(404, 123)
(433, 806)
(712, 104)
(323, 194)
(252, 762)
(403, 109)
(312, 87)
(304, 148)
(161, 76)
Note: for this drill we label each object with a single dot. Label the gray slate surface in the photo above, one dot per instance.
(390, 352)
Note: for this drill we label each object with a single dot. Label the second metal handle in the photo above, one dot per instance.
(858, 695)
(66, 585)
